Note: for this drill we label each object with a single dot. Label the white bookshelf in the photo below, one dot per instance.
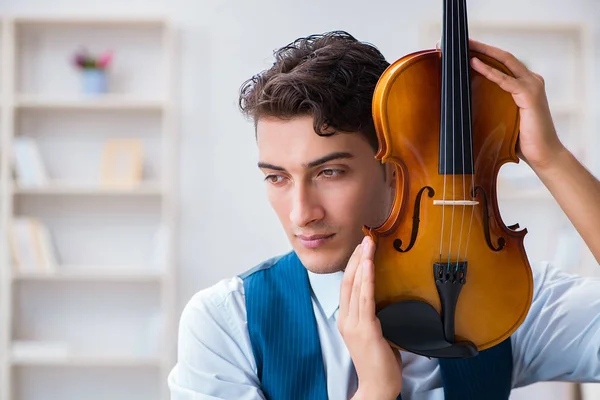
(88, 273)
(563, 54)
(107, 102)
(68, 188)
(100, 321)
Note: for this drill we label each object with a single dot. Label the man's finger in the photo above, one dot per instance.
(367, 292)
(354, 306)
(506, 82)
(512, 63)
(368, 248)
(348, 280)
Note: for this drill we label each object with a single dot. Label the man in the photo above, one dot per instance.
(302, 325)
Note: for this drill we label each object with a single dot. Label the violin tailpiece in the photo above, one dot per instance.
(417, 327)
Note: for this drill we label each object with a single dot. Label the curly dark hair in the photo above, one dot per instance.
(331, 76)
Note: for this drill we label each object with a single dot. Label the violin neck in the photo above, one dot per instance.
(456, 137)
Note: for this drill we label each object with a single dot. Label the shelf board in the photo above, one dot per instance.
(87, 274)
(63, 188)
(86, 361)
(80, 102)
(96, 20)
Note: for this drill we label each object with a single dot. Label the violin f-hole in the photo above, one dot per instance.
(486, 221)
(416, 220)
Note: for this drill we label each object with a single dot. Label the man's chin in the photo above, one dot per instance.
(320, 261)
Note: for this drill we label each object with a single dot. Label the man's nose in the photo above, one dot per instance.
(306, 207)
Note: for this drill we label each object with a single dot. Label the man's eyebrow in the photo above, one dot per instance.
(329, 157)
(322, 160)
(270, 166)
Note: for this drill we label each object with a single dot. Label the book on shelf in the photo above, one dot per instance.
(31, 246)
(29, 169)
(122, 162)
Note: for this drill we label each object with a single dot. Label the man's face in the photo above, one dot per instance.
(323, 189)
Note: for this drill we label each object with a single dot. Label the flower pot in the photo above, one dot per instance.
(94, 81)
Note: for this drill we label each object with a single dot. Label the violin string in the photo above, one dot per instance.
(445, 118)
(453, 42)
(471, 142)
(462, 129)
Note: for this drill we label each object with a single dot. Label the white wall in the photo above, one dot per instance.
(226, 223)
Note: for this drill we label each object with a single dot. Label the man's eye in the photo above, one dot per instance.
(330, 173)
(273, 178)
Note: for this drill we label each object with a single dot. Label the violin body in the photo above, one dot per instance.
(450, 278)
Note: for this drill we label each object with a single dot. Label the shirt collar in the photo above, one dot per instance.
(326, 288)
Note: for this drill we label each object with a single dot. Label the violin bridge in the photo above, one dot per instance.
(455, 203)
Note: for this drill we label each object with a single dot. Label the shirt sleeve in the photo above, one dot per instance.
(214, 356)
(560, 337)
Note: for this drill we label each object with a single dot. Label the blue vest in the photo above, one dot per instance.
(285, 341)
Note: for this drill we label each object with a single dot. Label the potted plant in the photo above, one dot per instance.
(94, 70)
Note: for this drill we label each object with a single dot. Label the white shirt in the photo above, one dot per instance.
(559, 340)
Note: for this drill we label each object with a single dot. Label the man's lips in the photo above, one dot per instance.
(314, 237)
(314, 241)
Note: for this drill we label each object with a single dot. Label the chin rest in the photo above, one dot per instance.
(417, 327)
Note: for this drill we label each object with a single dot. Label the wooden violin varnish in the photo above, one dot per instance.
(450, 278)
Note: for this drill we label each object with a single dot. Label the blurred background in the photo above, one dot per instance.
(128, 179)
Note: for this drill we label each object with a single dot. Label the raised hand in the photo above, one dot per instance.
(378, 365)
(538, 141)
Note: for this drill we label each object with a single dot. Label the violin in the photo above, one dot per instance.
(451, 279)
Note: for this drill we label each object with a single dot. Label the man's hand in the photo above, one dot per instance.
(575, 189)
(378, 366)
(538, 143)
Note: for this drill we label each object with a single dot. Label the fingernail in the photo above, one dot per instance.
(366, 244)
